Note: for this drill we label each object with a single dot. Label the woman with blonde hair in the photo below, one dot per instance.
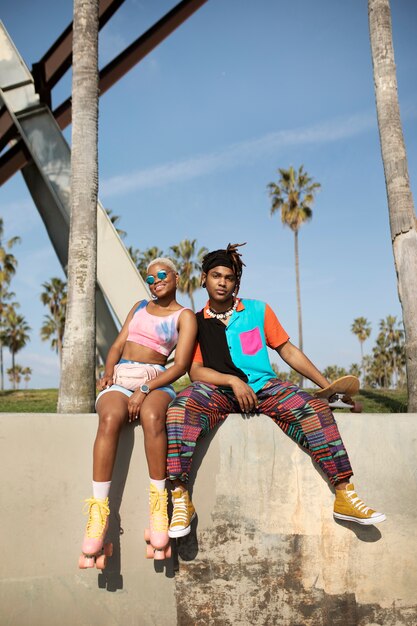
(136, 385)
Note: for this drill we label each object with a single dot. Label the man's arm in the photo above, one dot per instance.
(244, 394)
(301, 364)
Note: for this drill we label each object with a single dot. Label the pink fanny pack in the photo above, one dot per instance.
(133, 375)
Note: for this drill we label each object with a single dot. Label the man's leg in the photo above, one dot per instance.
(195, 411)
(310, 422)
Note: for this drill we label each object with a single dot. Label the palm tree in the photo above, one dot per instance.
(189, 266)
(142, 259)
(362, 329)
(54, 297)
(355, 370)
(293, 196)
(15, 375)
(8, 264)
(16, 332)
(26, 373)
(77, 385)
(392, 336)
(333, 372)
(402, 215)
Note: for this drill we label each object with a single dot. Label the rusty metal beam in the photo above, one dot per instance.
(127, 59)
(110, 74)
(11, 162)
(53, 65)
(7, 128)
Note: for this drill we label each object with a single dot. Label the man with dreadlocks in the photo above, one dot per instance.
(231, 372)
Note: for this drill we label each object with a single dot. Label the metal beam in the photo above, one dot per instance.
(127, 59)
(53, 65)
(109, 75)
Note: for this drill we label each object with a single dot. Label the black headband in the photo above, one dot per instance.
(218, 257)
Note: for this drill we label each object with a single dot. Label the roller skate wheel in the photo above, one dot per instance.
(101, 561)
(149, 552)
(168, 552)
(84, 562)
(159, 555)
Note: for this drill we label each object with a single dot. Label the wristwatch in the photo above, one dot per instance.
(144, 389)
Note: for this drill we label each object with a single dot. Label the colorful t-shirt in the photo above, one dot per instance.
(158, 333)
(240, 348)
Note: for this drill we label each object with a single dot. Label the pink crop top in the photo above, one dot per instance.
(158, 333)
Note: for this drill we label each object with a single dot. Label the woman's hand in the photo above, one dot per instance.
(134, 404)
(105, 381)
(245, 395)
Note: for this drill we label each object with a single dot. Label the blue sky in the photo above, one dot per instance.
(190, 138)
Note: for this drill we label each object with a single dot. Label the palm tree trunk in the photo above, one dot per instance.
(190, 295)
(297, 284)
(400, 201)
(362, 364)
(77, 386)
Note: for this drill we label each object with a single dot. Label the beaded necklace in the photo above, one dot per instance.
(225, 314)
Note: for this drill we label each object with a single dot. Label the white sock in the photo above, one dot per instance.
(159, 484)
(101, 489)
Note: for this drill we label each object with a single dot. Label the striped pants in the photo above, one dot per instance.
(307, 420)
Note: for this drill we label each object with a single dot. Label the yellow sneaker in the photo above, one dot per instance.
(349, 507)
(182, 514)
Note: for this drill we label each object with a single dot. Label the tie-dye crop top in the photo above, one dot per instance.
(158, 333)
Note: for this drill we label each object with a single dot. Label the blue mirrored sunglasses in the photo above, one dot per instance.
(162, 274)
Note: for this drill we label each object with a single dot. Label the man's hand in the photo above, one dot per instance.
(105, 381)
(245, 395)
(134, 404)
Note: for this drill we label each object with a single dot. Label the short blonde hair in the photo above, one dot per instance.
(163, 260)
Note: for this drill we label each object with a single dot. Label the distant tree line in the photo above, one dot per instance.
(383, 368)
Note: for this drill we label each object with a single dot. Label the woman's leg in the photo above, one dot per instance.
(152, 418)
(112, 412)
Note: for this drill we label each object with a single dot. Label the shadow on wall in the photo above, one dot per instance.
(187, 547)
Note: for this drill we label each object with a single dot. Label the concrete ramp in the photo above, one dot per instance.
(266, 549)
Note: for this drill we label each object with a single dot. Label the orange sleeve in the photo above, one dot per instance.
(275, 335)
(197, 356)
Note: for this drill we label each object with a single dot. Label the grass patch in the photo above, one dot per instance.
(29, 401)
(45, 400)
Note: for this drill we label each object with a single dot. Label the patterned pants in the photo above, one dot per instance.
(307, 420)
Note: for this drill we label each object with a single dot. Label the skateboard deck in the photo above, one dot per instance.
(339, 393)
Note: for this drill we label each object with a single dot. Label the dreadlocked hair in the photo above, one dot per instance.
(229, 257)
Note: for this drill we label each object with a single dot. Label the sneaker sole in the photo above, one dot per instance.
(365, 521)
(182, 532)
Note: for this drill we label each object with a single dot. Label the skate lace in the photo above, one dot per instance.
(357, 502)
(158, 507)
(97, 511)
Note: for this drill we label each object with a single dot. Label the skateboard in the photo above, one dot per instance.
(156, 553)
(98, 560)
(339, 393)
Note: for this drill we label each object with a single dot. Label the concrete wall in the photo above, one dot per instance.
(265, 550)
